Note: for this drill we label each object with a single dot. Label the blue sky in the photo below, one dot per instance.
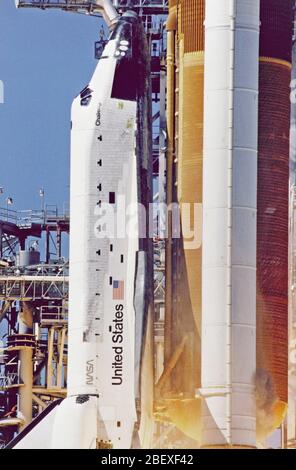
(46, 58)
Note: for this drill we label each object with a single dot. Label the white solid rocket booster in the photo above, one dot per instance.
(229, 222)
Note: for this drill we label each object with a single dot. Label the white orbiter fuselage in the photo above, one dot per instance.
(108, 260)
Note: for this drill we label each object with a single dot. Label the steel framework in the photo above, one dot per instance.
(144, 7)
(35, 297)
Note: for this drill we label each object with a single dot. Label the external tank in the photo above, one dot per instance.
(187, 191)
(185, 65)
(273, 202)
(177, 387)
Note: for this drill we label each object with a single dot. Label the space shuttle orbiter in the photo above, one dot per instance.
(110, 296)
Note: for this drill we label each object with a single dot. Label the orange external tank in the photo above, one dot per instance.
(273, 192)
(185, 27)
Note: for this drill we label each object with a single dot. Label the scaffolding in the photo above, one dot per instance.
(33, 314)
(90, 7)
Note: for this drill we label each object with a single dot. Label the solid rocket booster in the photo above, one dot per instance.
(229, 222)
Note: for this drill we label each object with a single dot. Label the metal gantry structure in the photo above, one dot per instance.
(143, 7)
(34, 293)
(33, 314)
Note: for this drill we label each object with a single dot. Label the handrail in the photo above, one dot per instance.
(28, 217)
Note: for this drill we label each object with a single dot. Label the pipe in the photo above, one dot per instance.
(109, 12)
(171, 23)
(169, 184)
(25, 319)
(25, 390)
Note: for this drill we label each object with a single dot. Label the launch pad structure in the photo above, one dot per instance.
(34, 293)
(33, 314)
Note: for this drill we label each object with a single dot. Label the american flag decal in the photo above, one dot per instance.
(118, 290)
